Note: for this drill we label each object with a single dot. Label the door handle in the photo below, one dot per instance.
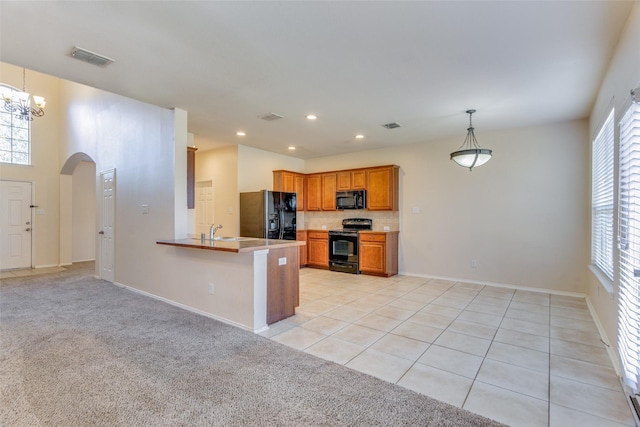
(100, 232)
(27, 229)
(28, 222)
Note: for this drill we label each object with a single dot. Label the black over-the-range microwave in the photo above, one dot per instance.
(355, 199)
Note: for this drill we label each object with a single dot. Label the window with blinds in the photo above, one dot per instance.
(602, 199)
(629, 237)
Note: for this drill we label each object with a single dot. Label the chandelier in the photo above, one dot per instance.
(470, 155)
(20, 102)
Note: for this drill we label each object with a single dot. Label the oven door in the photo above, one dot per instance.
(343, 247)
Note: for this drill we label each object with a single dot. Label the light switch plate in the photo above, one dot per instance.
(282, 261)
(145, 209)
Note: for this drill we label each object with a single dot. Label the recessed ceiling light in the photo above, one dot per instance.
(359, 136)
(292, 148)
(240, 133)
(311, 116)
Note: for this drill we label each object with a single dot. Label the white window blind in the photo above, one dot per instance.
(629, 230)
(602, 199)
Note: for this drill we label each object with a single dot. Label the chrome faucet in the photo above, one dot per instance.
(213, 229)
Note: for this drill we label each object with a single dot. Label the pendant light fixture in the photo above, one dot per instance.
(21, 103)
(470, 155)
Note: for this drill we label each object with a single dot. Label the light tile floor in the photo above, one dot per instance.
(519, 357)
(7, 274)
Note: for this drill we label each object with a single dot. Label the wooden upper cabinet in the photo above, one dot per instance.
(329, 183)
(351, 180)
(382, 188)
(191, 177)
(359, 180)
(298, 185)
(290, 182)
(317, 191)
(314, 192)
(343, 181)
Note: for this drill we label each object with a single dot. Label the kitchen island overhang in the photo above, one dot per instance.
(249, 283)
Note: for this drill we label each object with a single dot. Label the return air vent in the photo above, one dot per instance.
(270, 117)
(90, 57)
(392, 125)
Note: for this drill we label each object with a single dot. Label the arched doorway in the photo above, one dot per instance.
(78, 209)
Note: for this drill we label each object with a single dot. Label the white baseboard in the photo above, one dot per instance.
(47, 266)
(81, 260)
(499, 285)
(611, 350)
(188, 308)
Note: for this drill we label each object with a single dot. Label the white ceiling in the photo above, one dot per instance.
(356, 64)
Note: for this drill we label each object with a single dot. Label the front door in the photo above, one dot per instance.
(107, 224)
(15, 225)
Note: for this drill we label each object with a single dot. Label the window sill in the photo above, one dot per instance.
(603, 279)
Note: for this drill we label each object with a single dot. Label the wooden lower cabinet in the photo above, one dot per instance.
(379, 253)
(318, 249)
(301, 236)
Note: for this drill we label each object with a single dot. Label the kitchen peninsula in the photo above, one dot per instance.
(247, 282)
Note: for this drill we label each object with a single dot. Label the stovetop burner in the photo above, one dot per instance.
(351, 226)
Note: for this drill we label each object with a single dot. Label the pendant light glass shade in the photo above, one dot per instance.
(470, 155)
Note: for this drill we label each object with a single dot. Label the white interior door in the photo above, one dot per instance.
(15, 225)
(107, 224)
(204, 206)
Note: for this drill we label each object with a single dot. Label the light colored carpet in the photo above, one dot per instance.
(77, 351)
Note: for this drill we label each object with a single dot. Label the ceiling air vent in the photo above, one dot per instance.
(270, 117)
(392, 125)
(90, 57)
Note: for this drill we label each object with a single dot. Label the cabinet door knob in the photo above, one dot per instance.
(100, 232)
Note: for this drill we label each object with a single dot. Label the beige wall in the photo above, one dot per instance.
(139, 141)
(221, 167)
(84, 212)
(45, 165)
(622, 76)
(523, 216)
(235, 169)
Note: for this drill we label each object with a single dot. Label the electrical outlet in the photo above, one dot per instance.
(474, 263)
(145, 209)
(324, 227)
(211, 288)
(282, 261)
(386, 228)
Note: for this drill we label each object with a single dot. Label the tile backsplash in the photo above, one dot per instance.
(313, 220)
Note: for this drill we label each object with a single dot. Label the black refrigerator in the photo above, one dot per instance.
(268, 215)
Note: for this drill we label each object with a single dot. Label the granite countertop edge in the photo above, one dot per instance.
(250, 245)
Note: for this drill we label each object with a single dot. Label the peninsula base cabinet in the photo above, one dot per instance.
(379, 253)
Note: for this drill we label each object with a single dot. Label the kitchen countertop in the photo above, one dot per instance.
(244, 245)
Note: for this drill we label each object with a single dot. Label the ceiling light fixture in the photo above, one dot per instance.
(292, 147)
(20, 102)
(359, 136)
(240, 133)
(470, 155)
(311, 116)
